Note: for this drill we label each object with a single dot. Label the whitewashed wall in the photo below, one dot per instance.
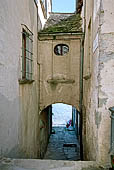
(12, 15)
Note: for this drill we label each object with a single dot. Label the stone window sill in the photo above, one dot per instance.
(25, 81)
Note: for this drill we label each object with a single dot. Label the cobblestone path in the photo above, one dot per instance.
(59, 148)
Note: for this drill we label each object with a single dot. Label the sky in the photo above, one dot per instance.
(61, 114)
(65, 6)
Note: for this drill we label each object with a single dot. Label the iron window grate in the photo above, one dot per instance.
(27, 53)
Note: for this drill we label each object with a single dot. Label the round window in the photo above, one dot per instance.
(61, 49)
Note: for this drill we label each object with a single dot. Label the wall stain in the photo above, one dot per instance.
(97, 118)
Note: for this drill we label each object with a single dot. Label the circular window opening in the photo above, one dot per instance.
(61, 49)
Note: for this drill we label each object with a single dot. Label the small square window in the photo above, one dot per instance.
(27, 54)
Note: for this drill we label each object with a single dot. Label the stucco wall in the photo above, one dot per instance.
(90, 84)
(59, 75)
(98, 81)
(16, 107)
(106, 77)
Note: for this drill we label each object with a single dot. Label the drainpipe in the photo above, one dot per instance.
(112, 136)
(81, 85)
(81, 99)
(38, 63)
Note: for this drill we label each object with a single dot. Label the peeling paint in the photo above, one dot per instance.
(102, 101)
(106, 52)
(106, 57)
(100, 91)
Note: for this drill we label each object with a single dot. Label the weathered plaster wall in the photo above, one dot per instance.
(98, 80)
(59, 75)
(106, 77)
(90, 84)
(18, 103)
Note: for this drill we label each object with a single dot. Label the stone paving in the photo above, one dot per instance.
(36, 164)
(58, 147)
(64, 156)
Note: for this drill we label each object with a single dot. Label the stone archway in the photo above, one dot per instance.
(45, 126)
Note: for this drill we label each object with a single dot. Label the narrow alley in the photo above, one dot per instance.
(63, 145)
(56, 85)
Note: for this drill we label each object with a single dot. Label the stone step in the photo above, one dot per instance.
(36, 164)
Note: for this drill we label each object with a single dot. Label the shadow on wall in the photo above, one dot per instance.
(45, 129)
(9, 120)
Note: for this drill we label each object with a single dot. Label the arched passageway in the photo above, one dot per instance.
(60, 76)
(62, 132)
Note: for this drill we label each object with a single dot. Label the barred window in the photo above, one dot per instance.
(27, 53)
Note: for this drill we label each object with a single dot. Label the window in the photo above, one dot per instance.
(27, 53)
(61, 49)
